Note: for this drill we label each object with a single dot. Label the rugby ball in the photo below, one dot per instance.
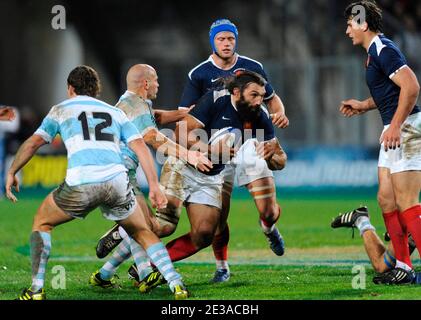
(234, 136)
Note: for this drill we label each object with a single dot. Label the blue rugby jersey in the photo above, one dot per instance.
(215, 111)
(139, 112)
(91, 131)
(384, 61)
(207, 76)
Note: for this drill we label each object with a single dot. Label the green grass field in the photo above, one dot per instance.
(317, 265)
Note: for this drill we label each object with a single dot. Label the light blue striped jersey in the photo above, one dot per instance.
(91, 131)
(139, 112)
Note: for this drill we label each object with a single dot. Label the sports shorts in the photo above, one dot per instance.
(408, 156)
(114, 197)
(247, 166)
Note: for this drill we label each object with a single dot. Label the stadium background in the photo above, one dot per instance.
(302, 44)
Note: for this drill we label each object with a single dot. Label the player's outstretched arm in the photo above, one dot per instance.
(354, 107)
(24, 154)
(157, 198)
(163, 117)
(166, 146)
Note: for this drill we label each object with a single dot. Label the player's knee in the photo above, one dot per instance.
(168, 220)
(271, 213)
(202, 237)
(41, 224)
(385, 202)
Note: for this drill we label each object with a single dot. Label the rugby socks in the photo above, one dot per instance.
(220, 248)
(266, 226)
(121, 254)
(398, 236)
(363, 224)
(389, 259)
(40, 252)
(160, 258)
(122, 232)
(411, 219)
(140, 258)
(181, 248)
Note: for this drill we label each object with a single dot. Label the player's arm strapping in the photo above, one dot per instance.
(24, 154)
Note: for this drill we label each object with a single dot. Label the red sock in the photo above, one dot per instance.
(220, 245)
(181, 248)
(411, 218)
(398, 236)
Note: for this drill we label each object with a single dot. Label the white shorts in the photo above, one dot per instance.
(248, 165)
(408, 156)
(200, 188)
(171, 179)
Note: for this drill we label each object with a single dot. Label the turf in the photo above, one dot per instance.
(317, 265)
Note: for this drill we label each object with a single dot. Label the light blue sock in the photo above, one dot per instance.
(160, 258)
(141, 259)
(40, 252)
(121, 254)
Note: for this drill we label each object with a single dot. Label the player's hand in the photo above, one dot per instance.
(7, 114)
(266, 149)
(352, 107)
(199, 160)
(280, 120)
(391, 138)
(157, 198)
(222, 150)
(11, 182)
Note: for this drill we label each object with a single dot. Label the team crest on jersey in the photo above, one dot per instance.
(239, 70)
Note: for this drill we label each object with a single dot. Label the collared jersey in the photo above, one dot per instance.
(91, 131)
(207, 76)
(139, 112)
(385, 60)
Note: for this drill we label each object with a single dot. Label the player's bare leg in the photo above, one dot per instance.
(376, 251)
(264, 195)
(166, 220)
(203, 220)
